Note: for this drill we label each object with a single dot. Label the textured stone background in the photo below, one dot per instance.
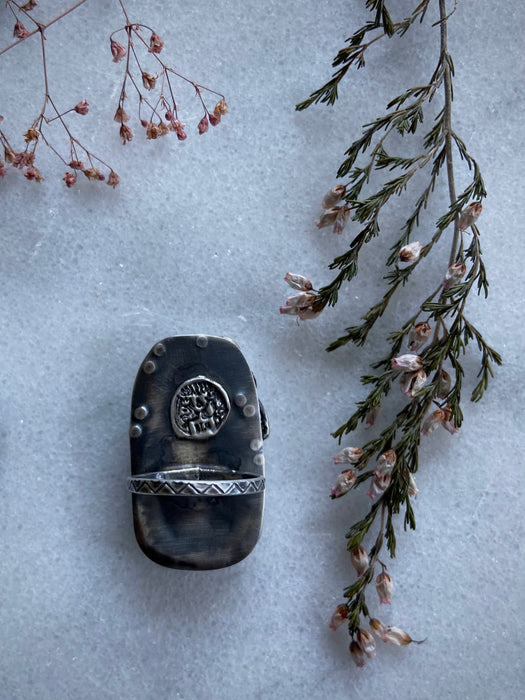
(196, 240)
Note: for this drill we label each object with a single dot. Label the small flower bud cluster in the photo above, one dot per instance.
(410, 252)
(441, 417)
(339, 616)
(382, 474)
(302, 304)
(414, 377)
(393, 635)
(470, 215)
(333, 215)
(418, 336)
(344, 483)
(385, 587)
(454, 274)
(362, 647)
(359, 559)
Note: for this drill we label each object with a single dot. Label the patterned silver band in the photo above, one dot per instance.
(196, 481)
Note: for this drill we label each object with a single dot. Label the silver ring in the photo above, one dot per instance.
(196, 480)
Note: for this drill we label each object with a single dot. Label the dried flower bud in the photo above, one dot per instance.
(149, 80)
(407, 363)
(113, 179)
(308, 313)
(32, 173)
(359, 559)
(418, 336)
(117, 50)
(31, 135)
(9, 155)
(454, 274)
(333, 196)
(448, 421)
(76, 165)
(93, 174)
(22, 159)
(348, 455)
(328, 217)
(20, 32)
(302, 300)
(121, 115)
(126, 134)
(385, 462)
(379, 485)
(357, 654)
(394, 635)
(70, 179)
(443, 384)
(410, 252)
(82, 107)
(371, 416)
(289, 310)
(378, 628)
(220, 108)
(152, 131)
(155, 43)
(384, 587)
(366, 642)
(470, 215)
(178, 127)
(28, 6)
(203, 125)
(433, 421)
(412, 488)
(412, 382)
(341, 219)
(339, 616)
(3, 169)
(214, 119)
(344, 483)
(297, 281)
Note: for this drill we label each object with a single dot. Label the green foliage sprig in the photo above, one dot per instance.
(437, 329)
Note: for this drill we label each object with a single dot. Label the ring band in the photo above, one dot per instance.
(196, 480)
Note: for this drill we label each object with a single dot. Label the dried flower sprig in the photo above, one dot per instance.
(437, 331)
(158, 111)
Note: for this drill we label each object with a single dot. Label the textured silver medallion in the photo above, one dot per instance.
(199, 408)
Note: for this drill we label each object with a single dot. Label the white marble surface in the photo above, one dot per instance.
(197, 239)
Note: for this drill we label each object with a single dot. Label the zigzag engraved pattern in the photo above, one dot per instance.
(158, 487)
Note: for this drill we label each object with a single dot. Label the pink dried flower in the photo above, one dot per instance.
(20, 32)
(448, 422)
(454, 274)
(178, 127)
(407, 363)
(203, 125)
(113, 179)
(328, 217)
(344, 483)
(31, 134)
(339, 616)
(152, 131)
(82, 107)
(470, 215)
(214, 119)
(394, 635)
(93, 174)
(433, 421)
(410, 252)
(357, 654)
(22, 159)
(379, 484)
(126, 134)
(418, 336)
(412, 488)
(307, 314)
(385, 588)
(385, 463)
(76, 165)
(366, 642)
(348, 455)
(32, 173)
(220, 108)
(333, 196)
(149, 80)
(121, 115)
(3, 169)
(360, 561)
(412, 382)
(298, 282)
(70, 179)
(155, 43)
(341, 219)
(371, 416)
(301, 300)
(117, 50)
(444, 384)
(30, 5)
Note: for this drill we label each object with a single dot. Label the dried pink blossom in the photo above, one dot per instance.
(433, 421)
(22, 159)
(455, 274)
(301, 300)
(360, 561)
(20, 32)
(412, 488)
(348, 455)
(393, 635)
(407, 363)
(339, 616)
(149, 81)
(32, 173)
(470, 215)
(307, 314)
(366, 642)
(410, 252)
(385, 462)
(70, 179)
(76, 165)
(298, 282)
(214, 119)
(333, 196)
(328, 217)
(203, 125)
(221, 108)
(113, 179)
(93, 174)
(444, 384)
(152, 131)
(31, 134)
(155, 43)
(385, 587)
(357, 654)
(126, 134)
(117, 50)
(121, 115)
(3, 169)
(379, 484)
(448, 422)
(418, 336)
(82, 107)
(344, 483)
(371, 416)
(28, 6)
(341, 219)
(178, 127)
(412, 382)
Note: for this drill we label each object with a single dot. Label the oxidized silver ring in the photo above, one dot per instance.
(196, 480)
